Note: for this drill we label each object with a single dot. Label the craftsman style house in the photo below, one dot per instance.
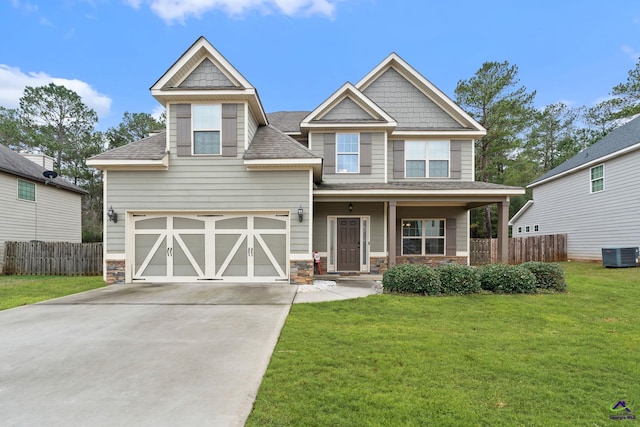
(381, 172)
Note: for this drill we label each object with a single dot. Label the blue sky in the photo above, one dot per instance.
(298, 52)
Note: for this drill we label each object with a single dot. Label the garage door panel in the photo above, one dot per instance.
(151, 255)
(240, 247)
(189, 256)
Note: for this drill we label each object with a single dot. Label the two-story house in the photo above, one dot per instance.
(381, 172)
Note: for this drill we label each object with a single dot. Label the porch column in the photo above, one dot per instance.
(503, 231)
(392, 234)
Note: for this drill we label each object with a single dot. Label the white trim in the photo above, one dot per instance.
(396, 192)
(588, 164)
(246, 125)
(452, 134)
(517, 215)
(220, 61)
(425, 86)
(130, 164)
(377, 254)
(283, 162)
(591, 180)
(105, 239)
(310, 217)
(347, 90)
(365, 266)
(386, 157)
(301, 257)
(116, 257)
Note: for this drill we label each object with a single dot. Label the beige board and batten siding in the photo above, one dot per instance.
(591, 221)
(55, 216)
(374, 210)
(375, 157)
(466, 159)
(406, 103)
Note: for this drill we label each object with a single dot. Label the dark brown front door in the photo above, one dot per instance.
(348, 244)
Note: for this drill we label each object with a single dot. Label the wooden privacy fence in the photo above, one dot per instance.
(53, 258)
(547, 248)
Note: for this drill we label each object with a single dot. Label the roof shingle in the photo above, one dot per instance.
(153, 147)
(272, 143)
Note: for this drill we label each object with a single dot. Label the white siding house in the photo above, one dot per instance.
(594, 197)
(34, 208)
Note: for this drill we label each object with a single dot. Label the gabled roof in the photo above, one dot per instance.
(175, 84)
(287, 121)
(271, 148)
(438, 97)
(17, 165)
(522, 210)
(617, 142)
(366, 112)
(147, 153)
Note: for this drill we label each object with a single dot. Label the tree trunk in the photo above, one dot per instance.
(487, 221)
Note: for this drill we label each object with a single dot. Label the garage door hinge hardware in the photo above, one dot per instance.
(207, 215)
(169, 251)
(282, 215)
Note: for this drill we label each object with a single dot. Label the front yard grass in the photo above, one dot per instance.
(22, 290)
(475, 360)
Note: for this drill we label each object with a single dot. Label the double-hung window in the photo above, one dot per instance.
(347, 153)
(423, 237)
(597, 178)
(26, 190)
(206, 128)
(426, 159)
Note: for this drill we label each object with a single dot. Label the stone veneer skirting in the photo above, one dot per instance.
(115, 272)
(301, 272)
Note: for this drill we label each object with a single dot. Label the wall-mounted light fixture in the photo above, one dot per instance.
(113, 215)
(350, 207)
(300, 213)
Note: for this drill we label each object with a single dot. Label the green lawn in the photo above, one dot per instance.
(22, 290)
(478, 360)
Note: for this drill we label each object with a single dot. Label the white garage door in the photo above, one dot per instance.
(196, 247)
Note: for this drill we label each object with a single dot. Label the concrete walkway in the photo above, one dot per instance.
(145, 355)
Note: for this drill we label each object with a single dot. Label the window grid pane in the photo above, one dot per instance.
(416, 168)
(419, 153)
(423, 237)
(26, 190)
(206, 142)
(438, 168)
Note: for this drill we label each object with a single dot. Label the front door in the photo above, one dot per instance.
(348, 244)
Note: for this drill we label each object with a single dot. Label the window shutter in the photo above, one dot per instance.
(455, 160)
(398, 159)
(365, 153)
(183, 129)
(229, 142)
(450, 244)
(329, 152)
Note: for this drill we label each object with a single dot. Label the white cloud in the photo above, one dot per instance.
(178, 10)
(630, 52)
(157, 112)
(13, 81)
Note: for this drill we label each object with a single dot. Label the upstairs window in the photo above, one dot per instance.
(26, 190)
(427, 159)
(423, 237)
(347, 152)
(597, 178)
(206, 128)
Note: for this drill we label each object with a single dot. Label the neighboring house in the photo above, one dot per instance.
(594, 197)
(381, 172)
(33, 207)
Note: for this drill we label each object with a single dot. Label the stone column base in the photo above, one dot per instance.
(115, 272)
(301, 272)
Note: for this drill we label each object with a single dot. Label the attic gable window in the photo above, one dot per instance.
(427, 159)
(597, 178)
(207, 124)
(26, 190)
(347, 153)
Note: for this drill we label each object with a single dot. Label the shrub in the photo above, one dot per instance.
(507, 279)
(549, 276)
(412, 278)
(458, 279)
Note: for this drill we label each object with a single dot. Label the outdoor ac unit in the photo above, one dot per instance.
(620, 257)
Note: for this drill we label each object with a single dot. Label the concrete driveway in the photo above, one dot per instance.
(142, 354)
